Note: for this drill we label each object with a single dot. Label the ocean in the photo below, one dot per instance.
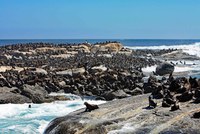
(188, 45)
(18, 118)
(126, 42)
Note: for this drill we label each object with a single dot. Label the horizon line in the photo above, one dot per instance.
(102, 39)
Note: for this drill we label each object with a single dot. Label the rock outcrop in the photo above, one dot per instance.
(129, 115)
(105, 70)
(164, 68)
(36, 93)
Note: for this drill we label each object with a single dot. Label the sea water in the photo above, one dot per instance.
(19, 119)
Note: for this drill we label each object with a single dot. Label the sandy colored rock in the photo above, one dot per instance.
(113, 47)
(71, 72)
(45, 49)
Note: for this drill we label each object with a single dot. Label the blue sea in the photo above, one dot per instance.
(126, 42)
(19, 119)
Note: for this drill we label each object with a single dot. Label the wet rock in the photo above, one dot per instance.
(115, 116)
(9, 97)
(35, 93)
(164, 68)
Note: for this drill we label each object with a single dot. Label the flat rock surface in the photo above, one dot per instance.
(129, 115)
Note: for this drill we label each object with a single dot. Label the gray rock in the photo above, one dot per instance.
(35, 93)
(119, 94)
(137, 91)
(164, 68)
(8, 97)
(127, 115)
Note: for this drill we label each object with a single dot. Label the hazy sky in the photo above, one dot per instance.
(100, 19)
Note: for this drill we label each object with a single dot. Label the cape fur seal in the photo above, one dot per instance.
(175, 107)
(196, 115)
(90, 107)
(151, 102)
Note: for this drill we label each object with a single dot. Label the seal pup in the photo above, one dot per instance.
(90, 107)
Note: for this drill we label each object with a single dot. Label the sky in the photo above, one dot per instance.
(99, 19)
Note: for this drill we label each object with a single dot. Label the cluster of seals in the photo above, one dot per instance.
(174, 91)
(105, 74)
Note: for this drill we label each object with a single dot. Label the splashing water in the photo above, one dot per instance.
(191, 49)
(18, 118)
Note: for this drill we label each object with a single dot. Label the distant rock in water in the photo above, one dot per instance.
(164, 68)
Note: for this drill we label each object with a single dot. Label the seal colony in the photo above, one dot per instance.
(171, 107)
(107, 70)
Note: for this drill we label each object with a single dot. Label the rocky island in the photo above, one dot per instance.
(106, 71)
(29, 72)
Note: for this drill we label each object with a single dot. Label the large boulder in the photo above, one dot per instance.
(9, 97)
(119, 94)
(164, 68)
(36, 93)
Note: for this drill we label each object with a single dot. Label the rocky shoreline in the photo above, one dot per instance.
(176, 111)
(106, 71)
(29, 72)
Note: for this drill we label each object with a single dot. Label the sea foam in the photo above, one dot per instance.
(192, 49)
(18, 118)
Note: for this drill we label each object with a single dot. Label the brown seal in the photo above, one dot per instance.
(90, 107)
(151, 102)
(175, 107)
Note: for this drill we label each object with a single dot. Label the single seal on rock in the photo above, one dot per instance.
(152, 104)
(90, 107)
(175, 107)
